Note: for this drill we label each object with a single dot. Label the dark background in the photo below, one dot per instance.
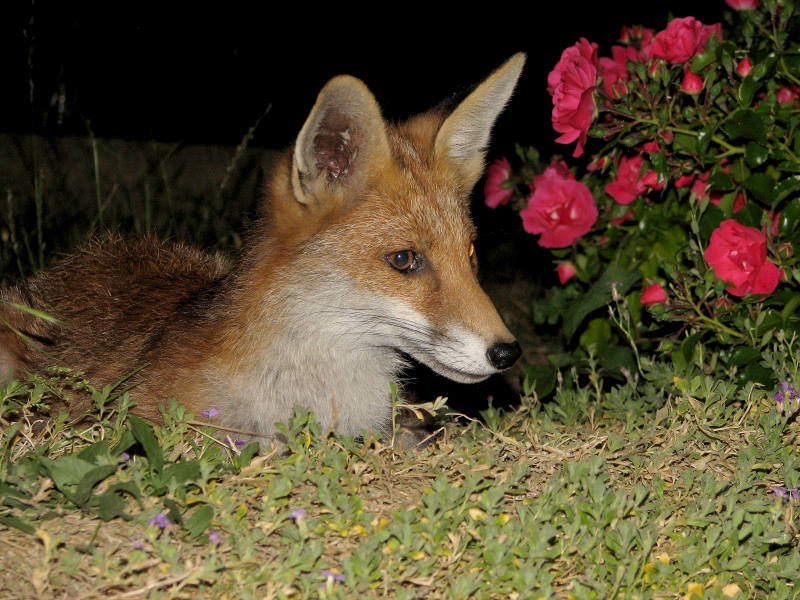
(183, 72)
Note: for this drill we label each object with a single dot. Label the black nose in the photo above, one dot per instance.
(504, 355)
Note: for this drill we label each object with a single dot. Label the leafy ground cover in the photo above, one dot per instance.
(593, 495)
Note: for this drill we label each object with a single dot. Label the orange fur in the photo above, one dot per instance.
(362, 256)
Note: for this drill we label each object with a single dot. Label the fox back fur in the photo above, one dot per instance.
(362, 255)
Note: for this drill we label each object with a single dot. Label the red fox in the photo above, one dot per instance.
(361, 257)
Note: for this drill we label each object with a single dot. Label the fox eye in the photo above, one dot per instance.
(404, 260)
(471, 250)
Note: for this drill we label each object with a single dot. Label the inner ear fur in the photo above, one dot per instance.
(343, 134)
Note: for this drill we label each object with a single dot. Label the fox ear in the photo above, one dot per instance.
(343, 134)
(464, 135)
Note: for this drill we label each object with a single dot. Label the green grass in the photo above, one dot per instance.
(580, 497)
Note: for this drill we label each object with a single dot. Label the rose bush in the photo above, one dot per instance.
(685, 219)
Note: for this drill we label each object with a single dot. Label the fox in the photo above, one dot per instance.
(361, 259)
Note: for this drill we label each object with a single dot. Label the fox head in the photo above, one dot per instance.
(378, 215)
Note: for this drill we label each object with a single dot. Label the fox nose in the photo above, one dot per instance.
(502, 355)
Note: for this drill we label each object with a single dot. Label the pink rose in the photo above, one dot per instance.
(627, 185)
(652, 294)
(496, 175)
(651, 182)
(788, 94)
(652, 146)
(614, 71)
(566, 271)
(683, 39)
(738, 255)
(742, 4)
(572, 84)
(560, 208)
(684, 180)
(692, 82)
(700, 187)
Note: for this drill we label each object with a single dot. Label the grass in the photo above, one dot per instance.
(669, 485)
(575, 498)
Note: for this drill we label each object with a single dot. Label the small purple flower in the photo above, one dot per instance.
(210, 413)
(787, 393)
(795, 492)
(160, 520)
(328, 574)
(214, 538)
(298, 514)
(780, 491)
(235, 443)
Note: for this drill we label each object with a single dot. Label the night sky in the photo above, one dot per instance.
(143, 71)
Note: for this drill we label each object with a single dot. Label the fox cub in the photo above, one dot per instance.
(362, 256)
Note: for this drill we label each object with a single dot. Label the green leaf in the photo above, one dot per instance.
(746, 124)
(615, 358)
(599, 295)
(750, 215)
(144, 435)
(247, 454)
(66, 470)
(704, 137)
(719, 180)
(757, 374)
(17, 523)
(685, 143)
(93, 452)
(126, 441)
(747, 90)
(790, 217)
(110, 506)
(112, 502)
(770, 319)
(710, 221)
(540, 378)
(596, 335)
(761, 186)
(755, 154)
(181, 472)
(787, 186)
(200, 520)
(83, 491)
(743, 355)
(12, 496)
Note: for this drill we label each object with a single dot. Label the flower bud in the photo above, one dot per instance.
(566, 271)
(692, 83)
(744, 66)
(653, 294)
